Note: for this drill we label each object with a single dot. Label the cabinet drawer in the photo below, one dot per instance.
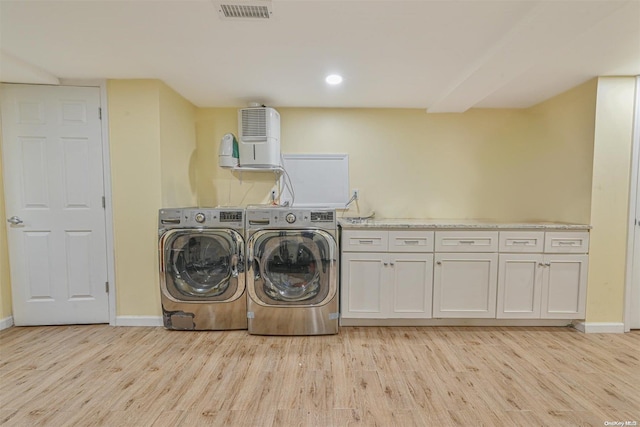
(566, 242)
(466, 241)
(411, 241)
(521, 241)
(364, 241)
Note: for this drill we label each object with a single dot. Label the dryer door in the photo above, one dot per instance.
(202, 265)
(292, 267)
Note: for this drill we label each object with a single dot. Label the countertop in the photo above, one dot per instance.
(449, 224)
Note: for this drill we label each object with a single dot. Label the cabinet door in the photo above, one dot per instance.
(362, 285)
(564, 286)
(465, 285)
(519, 286)
(411, 285)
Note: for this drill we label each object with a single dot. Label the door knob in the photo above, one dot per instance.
(15, 220)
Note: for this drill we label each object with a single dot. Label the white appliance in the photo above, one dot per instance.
(259, 144)
(228, 152)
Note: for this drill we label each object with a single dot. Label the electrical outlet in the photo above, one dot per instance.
(356, 193)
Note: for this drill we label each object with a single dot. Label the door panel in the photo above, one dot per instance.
(53, 177)
(465, 285)
(412, 285)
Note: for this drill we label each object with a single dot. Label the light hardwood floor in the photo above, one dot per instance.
(365, 376)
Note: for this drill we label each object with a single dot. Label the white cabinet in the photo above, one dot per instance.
(465, 274)
(564, 286)
(472, 274)
(549, 285)
(519, 286)
(396, 283)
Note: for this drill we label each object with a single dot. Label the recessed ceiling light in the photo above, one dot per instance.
(334, 79)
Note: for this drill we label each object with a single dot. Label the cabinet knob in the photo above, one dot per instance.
(439, 262)
(385, 263)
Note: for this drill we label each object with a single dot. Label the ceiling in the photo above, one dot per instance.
(444, 56)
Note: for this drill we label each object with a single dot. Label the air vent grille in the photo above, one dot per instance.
(254, 122)
(230, 216)
(245, 11)
(322, 216)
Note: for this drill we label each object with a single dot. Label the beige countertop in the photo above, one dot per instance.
(449, 224)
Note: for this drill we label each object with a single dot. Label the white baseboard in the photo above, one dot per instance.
(6, 323)
(600, 327)
(139, 321)
(453, 322)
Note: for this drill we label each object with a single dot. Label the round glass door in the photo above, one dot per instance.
(293, 267)
(203, 265)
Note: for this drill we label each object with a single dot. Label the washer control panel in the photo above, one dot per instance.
(201, 218)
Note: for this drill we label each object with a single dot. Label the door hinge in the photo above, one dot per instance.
(104, 202)
(99, 113)
(106, 287)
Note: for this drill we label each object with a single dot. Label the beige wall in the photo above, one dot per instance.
(610, 199)
(149, 128)
(177, 148)
(5, 279)
(218, 186)
(507, 165)
(512, 165)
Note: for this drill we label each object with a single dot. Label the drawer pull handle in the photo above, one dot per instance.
(467, 242)
(520, 242)
(365, 242)
(411, 242)
(565, 243)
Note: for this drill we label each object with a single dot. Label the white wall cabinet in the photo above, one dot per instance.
(396, 283)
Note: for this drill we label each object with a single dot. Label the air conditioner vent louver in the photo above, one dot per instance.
(245, 11)
(254, 122)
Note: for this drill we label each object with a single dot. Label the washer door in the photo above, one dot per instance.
(202, 265)
(292, 267)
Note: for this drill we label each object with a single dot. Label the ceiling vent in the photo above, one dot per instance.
(244, 10)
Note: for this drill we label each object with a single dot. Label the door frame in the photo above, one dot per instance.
(106, 168)
(633, 214)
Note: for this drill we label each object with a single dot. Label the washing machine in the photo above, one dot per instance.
(202, 268)
(292, 271)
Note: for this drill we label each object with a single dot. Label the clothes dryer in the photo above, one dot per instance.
(292, 271)
(202, 279)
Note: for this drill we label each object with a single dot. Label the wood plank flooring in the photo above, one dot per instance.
(365, 376)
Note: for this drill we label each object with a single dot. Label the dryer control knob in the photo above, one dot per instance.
(291, 218)
(200, 218)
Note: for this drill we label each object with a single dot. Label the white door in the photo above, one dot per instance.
(564, 286)
(364, 291)
(519, 286)
(635, 277)
(412, 285)
(53, 179)
(464, 285)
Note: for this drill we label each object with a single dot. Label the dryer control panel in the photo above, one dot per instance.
(277, 217)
